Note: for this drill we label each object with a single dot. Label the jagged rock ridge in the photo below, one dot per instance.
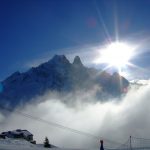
(58, 74)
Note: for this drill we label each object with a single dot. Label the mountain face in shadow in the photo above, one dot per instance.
(59, 75)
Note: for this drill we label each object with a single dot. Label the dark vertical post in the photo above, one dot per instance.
(101, 146)
(130, 143)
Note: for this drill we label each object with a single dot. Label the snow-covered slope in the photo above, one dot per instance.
(14, 144)
(58, 74)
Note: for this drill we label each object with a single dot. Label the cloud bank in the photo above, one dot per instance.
(115, 120)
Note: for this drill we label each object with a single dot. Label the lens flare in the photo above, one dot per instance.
(116, 54)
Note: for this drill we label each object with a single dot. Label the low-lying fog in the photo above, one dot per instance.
(114, 120)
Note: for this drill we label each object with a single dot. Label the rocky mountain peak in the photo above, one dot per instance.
(58, 74)
(59, 59)
(77, 61)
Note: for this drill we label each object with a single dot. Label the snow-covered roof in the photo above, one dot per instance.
(18, 132)
(26, 133)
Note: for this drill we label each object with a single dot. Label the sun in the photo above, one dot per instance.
(116, 54)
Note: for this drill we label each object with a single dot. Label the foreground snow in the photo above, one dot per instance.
(21, 144)
(13, 144)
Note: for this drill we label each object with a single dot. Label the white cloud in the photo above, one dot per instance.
(114, 120)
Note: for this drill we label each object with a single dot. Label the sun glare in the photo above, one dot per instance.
(116, 54)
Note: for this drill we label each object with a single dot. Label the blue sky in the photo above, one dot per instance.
(37, 29)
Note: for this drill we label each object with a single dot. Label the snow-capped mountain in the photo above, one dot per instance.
(58, 74)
